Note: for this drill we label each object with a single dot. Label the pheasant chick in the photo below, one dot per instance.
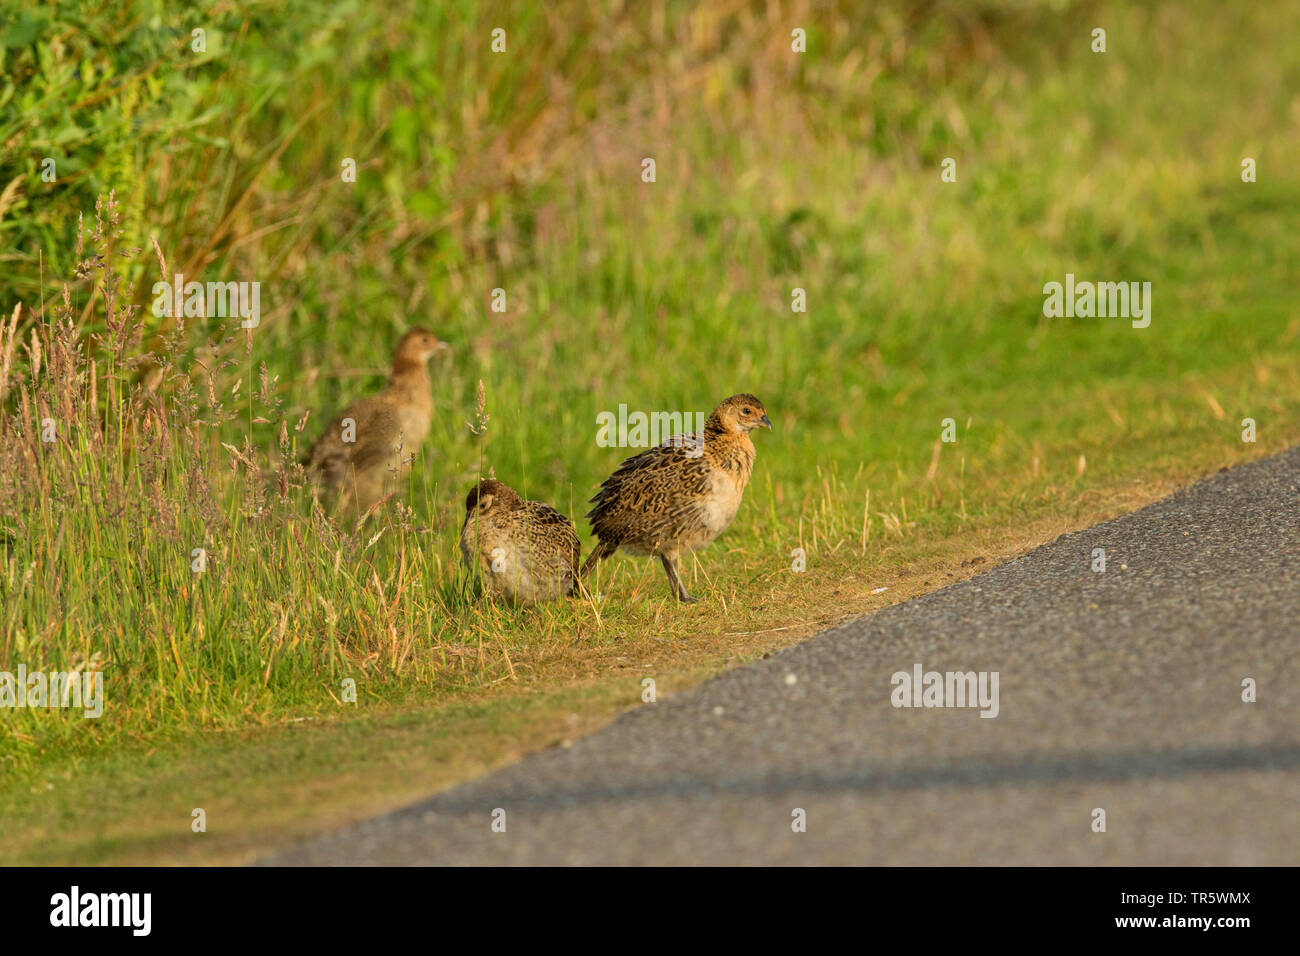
(526, 550)
(366, 451)
(678, 496)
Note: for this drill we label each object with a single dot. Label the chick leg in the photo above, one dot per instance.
(674, 581)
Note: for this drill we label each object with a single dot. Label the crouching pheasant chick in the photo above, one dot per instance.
(527, 551)
(680, 495)
(367, 449)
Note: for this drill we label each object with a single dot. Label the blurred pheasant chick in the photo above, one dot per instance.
(367, 449)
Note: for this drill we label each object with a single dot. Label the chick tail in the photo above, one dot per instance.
(599, 553)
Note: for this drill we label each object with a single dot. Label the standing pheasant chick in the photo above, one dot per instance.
(680, 495)
(366, 451)
(526, 550)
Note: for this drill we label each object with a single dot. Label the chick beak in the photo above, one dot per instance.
(766, 423)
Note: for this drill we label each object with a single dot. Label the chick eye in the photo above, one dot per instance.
(747, 411)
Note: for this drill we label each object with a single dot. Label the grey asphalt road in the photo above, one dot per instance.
(1118, 690)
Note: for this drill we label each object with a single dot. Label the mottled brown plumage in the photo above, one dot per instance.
(385, 431)
(526, 550)
(680, 495)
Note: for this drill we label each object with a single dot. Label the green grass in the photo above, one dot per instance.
(522, 171)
